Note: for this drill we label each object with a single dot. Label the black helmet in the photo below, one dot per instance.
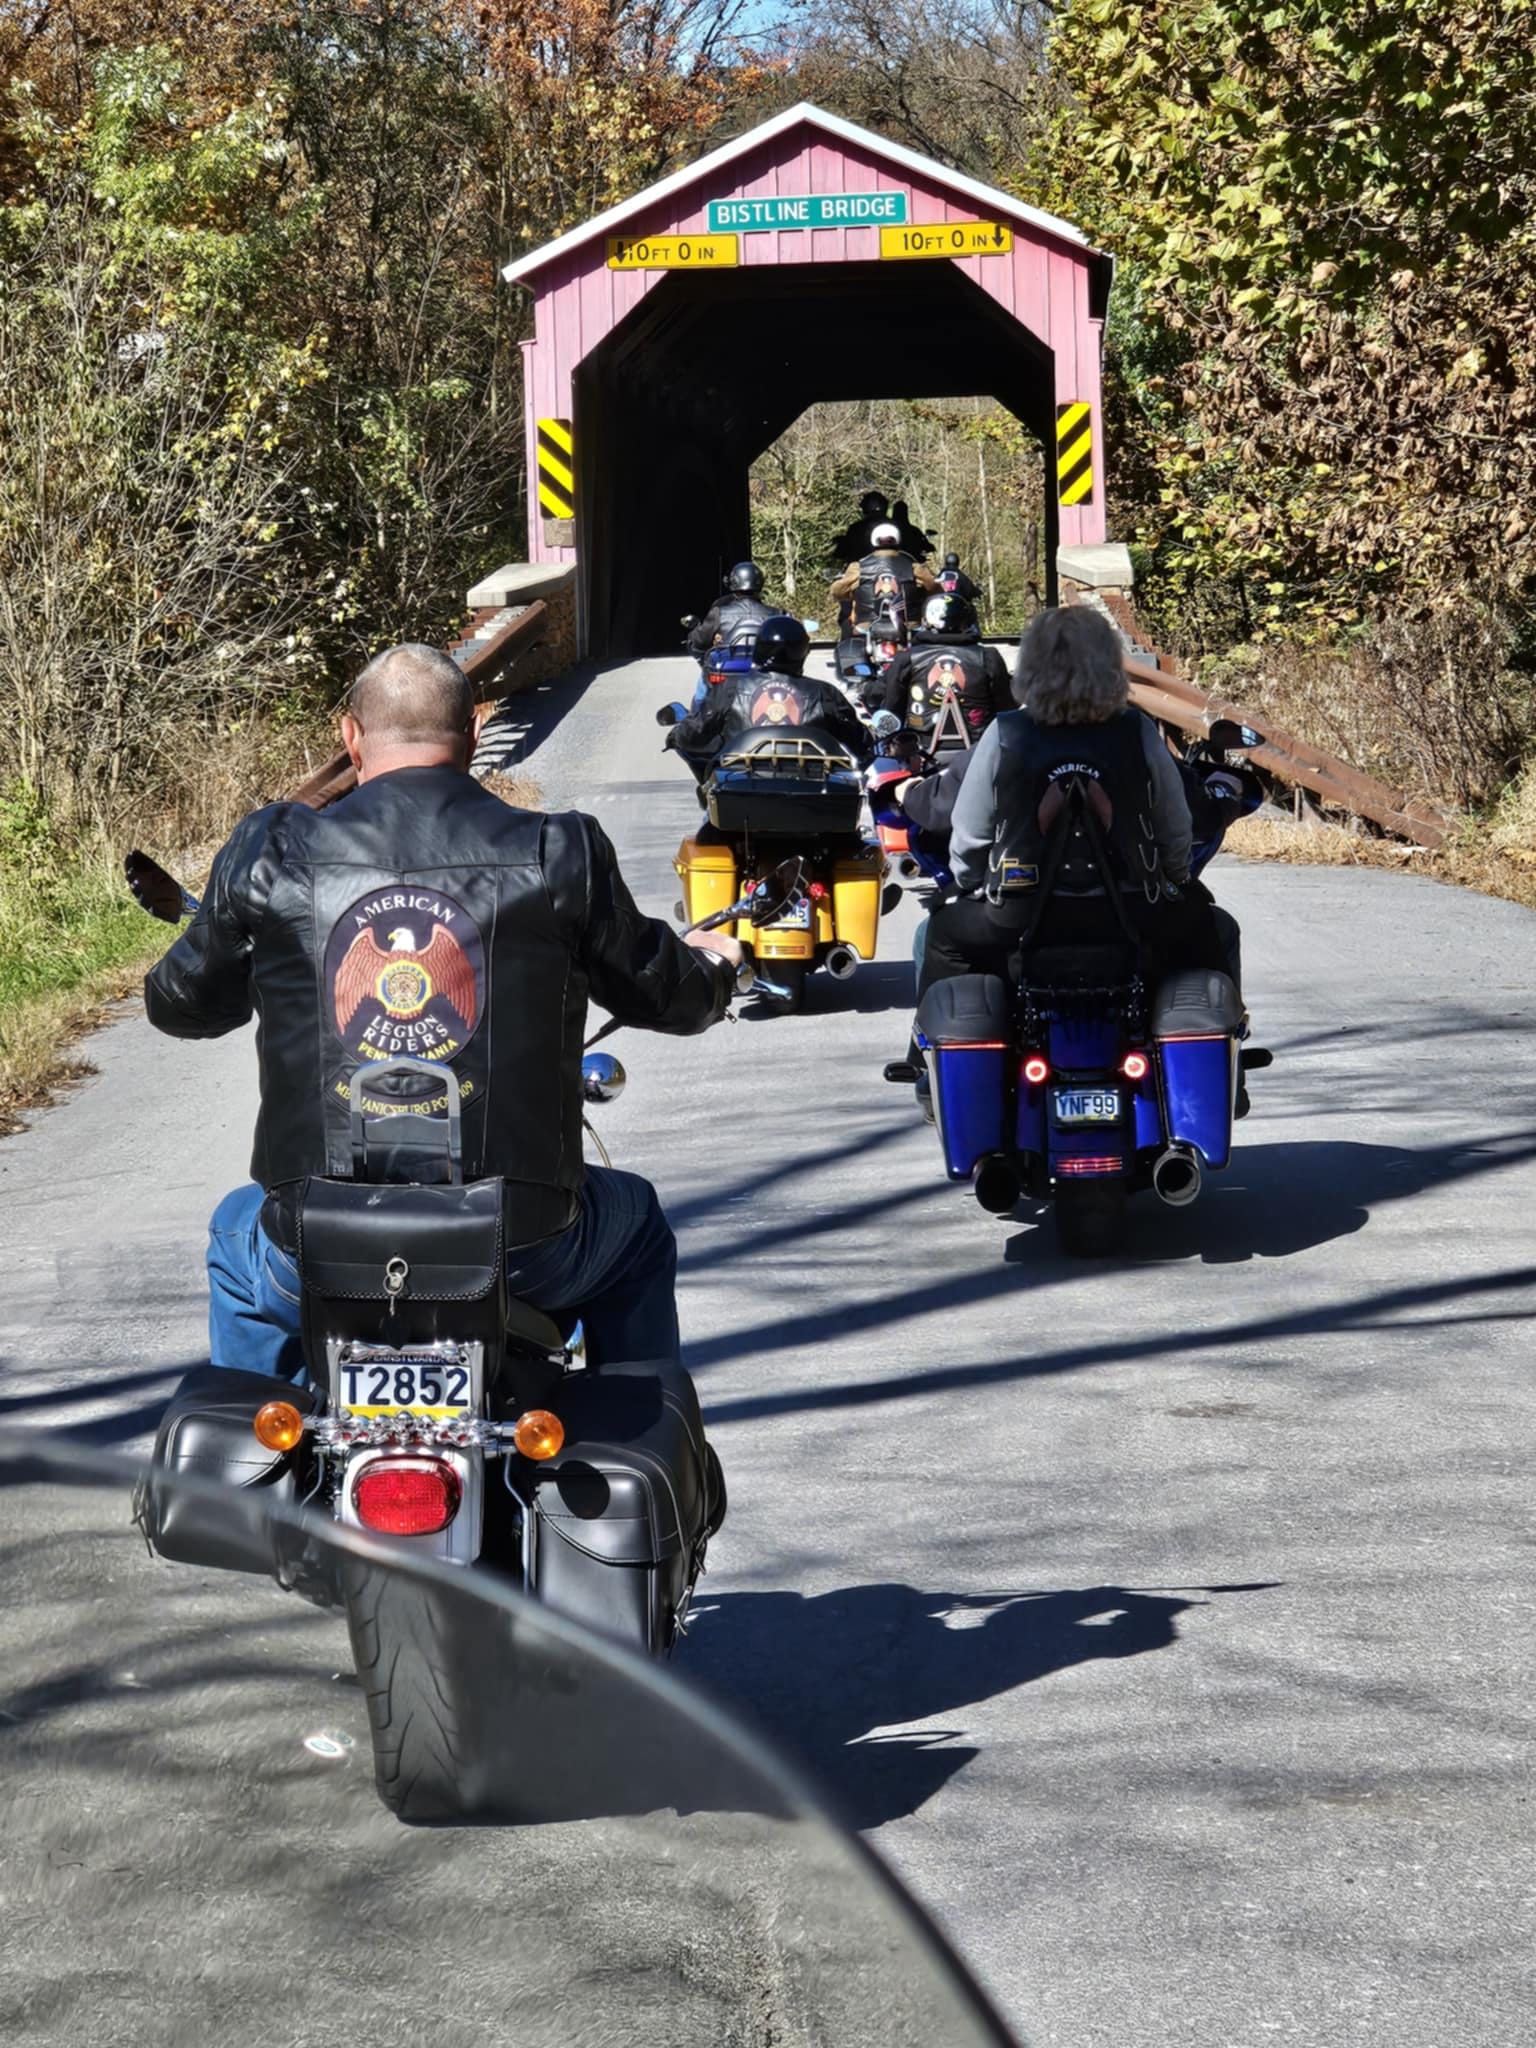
(746, 579)
(874, 504)
(781, 646)
(951, 561)
(949, 614)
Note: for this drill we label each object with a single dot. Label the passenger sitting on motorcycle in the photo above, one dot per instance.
(775, 693)
(954, 579)
(739, 605)
(946, 685)
(1076, 727)
(421, 915)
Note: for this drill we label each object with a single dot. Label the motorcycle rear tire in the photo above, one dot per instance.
(428, 1674)
(1090, 1218)
(790, 975)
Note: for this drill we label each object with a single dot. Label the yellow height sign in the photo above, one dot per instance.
(557, 470)
(948, 238)
(1074, 453)
(671, 252)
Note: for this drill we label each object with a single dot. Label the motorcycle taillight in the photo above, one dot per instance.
(406, 1496)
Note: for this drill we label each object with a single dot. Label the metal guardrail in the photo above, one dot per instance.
(485, 662)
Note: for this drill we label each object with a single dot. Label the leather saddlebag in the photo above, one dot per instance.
(205, 1437)
(624, 1510)
(401, 1263)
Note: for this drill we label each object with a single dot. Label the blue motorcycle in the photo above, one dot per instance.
(722, 660)
(1080, 1084)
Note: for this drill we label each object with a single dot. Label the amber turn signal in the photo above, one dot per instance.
(538, 1434)
(278, 1425)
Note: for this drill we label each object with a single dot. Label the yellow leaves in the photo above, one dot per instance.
(1323, 274)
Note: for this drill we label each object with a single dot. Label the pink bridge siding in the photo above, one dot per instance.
(1044, 283)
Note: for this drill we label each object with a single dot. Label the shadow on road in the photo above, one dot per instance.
(838, 1678)
(1275, 1200)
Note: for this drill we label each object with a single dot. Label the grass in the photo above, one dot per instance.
(1496, 855)
(72, 940)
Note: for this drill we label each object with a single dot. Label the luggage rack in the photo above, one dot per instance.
(795, 755)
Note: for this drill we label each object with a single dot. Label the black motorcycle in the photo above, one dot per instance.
(442, 1414)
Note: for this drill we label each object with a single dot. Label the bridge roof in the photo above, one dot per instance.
(986, 198)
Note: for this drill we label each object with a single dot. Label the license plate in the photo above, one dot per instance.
(796, 919)
(404, 1386)
(1087, 1105)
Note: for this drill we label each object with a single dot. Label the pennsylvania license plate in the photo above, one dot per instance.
(404, 1386)
(796, 919)
(1087, 1105)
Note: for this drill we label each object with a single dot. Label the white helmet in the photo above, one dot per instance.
(885, 536)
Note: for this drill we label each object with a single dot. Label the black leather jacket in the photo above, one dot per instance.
(724, 619)
(423, 916)
(757, 698)
(918, 680)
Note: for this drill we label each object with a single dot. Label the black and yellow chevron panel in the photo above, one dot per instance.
(557, 470)
(1074, 453)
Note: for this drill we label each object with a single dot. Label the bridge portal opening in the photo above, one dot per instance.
(676, 403)
(969, 475)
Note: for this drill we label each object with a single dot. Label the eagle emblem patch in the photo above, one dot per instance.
(405, 971)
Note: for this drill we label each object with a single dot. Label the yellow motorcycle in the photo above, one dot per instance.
(772, 794)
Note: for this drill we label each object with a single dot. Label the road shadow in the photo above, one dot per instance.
(521, 723)
(1278, 1199)
(836, 1678)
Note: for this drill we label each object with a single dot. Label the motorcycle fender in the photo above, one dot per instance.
(709, 877)
(856, 884)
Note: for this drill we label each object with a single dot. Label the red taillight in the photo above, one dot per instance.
(817, 891)
(1036, 1070)
(1135, 1066)
(1094, 1163)
(406, 1496)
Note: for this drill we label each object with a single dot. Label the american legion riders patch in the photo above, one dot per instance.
(405, 968)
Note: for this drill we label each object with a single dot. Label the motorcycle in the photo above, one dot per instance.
(441, 1413)
(725, 658)
(191, 1850)
(864, 657)
(1079, 1085)
(768, 788)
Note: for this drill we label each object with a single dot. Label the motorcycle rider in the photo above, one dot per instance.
(422, 914)
(775, 691)
(954, 579)
(739, 605)
(946, 664)
(1076, 724)
(882, 584)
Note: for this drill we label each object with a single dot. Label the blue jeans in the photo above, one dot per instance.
(615, 1267)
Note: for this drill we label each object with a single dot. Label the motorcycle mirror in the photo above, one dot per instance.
(776, 891)
(884, 723)
(602, 1077)
(671, 714)
(156, 889)
(688, 621)
(1228, 737)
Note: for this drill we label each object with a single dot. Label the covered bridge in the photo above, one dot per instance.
(678, 335)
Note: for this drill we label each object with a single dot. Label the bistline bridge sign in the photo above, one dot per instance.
(807, 210)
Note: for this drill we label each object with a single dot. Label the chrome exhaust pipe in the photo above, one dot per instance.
(840, 962)
(1176, 1177)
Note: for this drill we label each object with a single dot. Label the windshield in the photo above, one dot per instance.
(195, 1851)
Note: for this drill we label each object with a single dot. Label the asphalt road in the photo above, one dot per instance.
(1168, 1623)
